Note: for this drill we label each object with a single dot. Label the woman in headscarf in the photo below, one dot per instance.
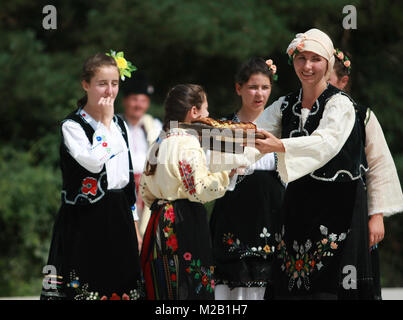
(319, 141)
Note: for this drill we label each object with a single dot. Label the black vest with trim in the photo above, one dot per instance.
(82, 187)
(350, 163)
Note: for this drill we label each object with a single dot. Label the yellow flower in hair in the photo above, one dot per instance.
(121, 62)
(125, 67)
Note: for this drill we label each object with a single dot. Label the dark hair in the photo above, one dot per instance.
(251, 67)
(90, 67)
(179, 100)
(341, 70)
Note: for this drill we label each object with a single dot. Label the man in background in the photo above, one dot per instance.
(144, 130)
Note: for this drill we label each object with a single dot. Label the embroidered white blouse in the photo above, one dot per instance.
(384, 189)
(107, 148)
(182, 171)
(305, 154)
(308, 153)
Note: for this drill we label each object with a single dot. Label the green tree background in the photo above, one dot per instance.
(174, 41)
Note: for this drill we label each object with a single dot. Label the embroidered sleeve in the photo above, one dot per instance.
(384, 190)
(198, 183)
(92, 156)
(304, 155)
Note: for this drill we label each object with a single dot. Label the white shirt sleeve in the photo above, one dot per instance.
(267, 163)
(157, 125)
(221, 161)
(306, 154)
(270, 119)
(91, 156)
(384, 189)
(232, 182)
(135, 213)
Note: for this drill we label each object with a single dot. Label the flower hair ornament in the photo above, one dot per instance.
(343, 58)
(272, 68)
(125, 67)
(295, 46)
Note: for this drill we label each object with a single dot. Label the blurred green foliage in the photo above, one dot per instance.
(174, 41)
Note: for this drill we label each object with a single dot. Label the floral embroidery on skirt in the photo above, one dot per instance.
(173, 270)
(306, 259)
(247, 251)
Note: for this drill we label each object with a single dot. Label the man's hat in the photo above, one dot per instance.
(137, 84)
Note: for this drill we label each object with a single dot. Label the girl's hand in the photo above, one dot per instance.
(240, 171)
(231, 174)
(270, 144)
(376, 229)
(107, 109)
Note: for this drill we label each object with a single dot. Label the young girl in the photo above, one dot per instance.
(176, 256)
(321, 157)
(94, 249)
(244, 220)
(381, 178)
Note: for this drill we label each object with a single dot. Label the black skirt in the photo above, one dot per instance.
(176, 255)
(322, 249)
(243, 224)
(94, 252)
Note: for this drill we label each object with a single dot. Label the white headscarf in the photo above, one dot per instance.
(316, 41)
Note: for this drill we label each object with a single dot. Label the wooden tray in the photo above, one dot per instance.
(223, 140)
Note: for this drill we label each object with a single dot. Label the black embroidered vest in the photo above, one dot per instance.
(350, 163)
(80, 186)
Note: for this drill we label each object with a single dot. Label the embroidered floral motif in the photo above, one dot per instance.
(300, 265)
(187, 176)
(90, 185)
(172, 268)
(169, 213)
(172, 242)
(170, 258)
(202, 274)
(168, 229)
(82, 292)
(246, 251)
